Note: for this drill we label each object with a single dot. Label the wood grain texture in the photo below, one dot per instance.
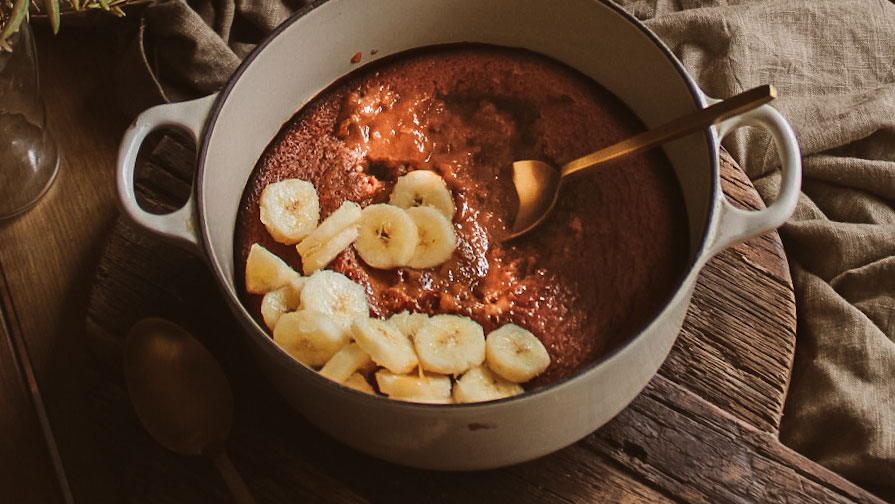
(704, 430)
(703, 455)
(30, 477)
(740, 328)
(49, 255)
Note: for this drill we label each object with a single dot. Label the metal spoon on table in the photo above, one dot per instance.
(181, 395)
(537, 183)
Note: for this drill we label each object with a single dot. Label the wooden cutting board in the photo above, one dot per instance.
(704, 429)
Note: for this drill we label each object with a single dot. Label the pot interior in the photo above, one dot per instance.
(294, 65)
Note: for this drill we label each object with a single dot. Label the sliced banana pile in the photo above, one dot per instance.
(323, 321)
(413, 230)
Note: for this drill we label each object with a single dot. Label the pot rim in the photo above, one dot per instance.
(694, 263)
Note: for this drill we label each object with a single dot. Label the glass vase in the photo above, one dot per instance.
(29, 158)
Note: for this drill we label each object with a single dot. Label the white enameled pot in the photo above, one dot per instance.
(314, 48)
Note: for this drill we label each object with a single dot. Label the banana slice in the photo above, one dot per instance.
(515, 353)
(425, 389)
(358, 382)
(336, 296)
(308, 336)
(423, 188)
(326, 253)
(408, 323)
(345, 363)
(385, 344)
(266, 272)
(387, 236)
(332, 236)
(289, 210)
(450, 344)
(285, 299)
(436, 239)
(481, 384)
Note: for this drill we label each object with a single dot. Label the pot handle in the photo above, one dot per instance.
(179, 226)
(734, 224)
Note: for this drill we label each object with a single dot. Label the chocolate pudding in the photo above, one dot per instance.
(595, 273)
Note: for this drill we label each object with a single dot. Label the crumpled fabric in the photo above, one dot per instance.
(833, 62)
(188, 50)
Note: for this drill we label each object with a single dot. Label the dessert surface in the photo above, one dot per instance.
(589, 278)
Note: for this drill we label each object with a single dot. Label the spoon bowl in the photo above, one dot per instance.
(181, 395)
(178, 390)
(537, 183)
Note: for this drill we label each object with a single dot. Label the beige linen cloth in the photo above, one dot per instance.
(833, 62)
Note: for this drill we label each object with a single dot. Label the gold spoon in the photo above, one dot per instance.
(537, 183)
(181, 395)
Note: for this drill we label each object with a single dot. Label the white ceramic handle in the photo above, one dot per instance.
(735, 225)
(179, 226)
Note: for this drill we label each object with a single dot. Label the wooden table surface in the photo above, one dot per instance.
(48, 257)
(704, 430)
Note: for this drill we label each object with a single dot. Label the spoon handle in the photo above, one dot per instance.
(234, 481)
(677, 128)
